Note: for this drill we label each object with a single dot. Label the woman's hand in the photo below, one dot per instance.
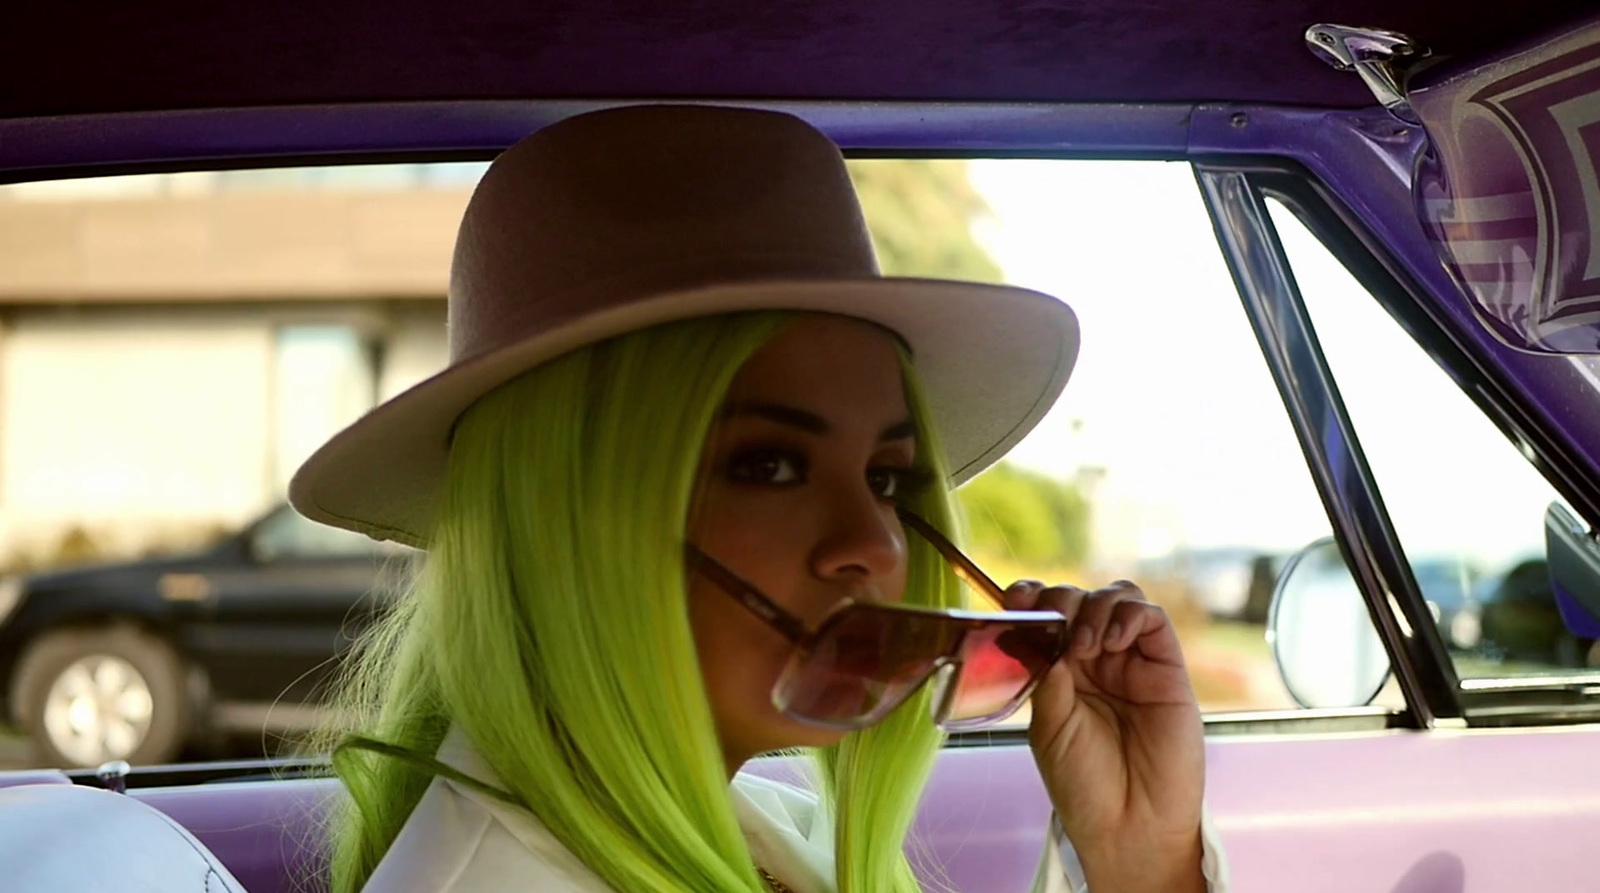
(1117, 735)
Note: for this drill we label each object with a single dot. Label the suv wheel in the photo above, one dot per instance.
(89, 696)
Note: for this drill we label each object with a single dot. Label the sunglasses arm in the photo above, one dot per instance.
(962, 565)
(788, 625)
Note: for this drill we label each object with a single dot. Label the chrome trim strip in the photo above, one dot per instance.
(1288, 714)
(1551, 682)
(1253, 723)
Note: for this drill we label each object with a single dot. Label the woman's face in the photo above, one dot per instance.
(796, 494)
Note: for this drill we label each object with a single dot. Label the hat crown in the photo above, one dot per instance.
(624, 204)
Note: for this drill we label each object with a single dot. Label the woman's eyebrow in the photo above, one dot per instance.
(807, 421)
(905, 430)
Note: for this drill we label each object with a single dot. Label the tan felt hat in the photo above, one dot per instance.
(617, 220)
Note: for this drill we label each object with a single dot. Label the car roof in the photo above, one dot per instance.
(93, 58)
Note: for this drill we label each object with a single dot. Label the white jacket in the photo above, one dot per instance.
(461, 840)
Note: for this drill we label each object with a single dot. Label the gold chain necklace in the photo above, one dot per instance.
(773, 884)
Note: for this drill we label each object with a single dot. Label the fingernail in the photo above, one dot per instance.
(1113, 633)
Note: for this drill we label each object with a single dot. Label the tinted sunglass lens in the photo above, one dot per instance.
(999, 663)
(863, 665)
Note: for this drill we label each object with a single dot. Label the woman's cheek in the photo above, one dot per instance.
(740, 656)
(738, 530)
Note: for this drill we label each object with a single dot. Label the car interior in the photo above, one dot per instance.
(1393, 205)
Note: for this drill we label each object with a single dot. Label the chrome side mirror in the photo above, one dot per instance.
(1327, 651)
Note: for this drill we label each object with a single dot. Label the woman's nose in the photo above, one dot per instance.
(862, 542)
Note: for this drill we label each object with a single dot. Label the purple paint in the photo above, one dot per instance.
(267, 833)
(46, 147)
(1383, 811)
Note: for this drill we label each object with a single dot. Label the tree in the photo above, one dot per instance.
(920, 214)
(1025, 517)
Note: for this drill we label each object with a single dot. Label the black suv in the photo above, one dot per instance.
(134, 661)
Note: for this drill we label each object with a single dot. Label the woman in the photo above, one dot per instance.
(684, 427)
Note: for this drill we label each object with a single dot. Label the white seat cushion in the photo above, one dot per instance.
(56, 838)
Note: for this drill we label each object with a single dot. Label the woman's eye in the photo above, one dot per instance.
(897, 483)
(767, 467)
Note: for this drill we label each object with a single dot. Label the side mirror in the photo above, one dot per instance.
(1321, 635)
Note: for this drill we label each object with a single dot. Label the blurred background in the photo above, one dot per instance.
(172, 346)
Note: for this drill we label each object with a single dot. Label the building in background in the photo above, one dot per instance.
(171, 347)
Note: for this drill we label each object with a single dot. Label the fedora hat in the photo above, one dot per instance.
(614, 221)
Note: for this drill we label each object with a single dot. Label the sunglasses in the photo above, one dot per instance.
(865, 658)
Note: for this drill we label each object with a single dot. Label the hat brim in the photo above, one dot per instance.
(992, 359)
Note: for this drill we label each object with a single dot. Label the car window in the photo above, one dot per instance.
(1469, 509)
(1170, 459)
(175, 345)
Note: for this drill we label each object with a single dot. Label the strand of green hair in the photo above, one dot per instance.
(550, 625)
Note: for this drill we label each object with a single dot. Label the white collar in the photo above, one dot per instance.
(788, 831)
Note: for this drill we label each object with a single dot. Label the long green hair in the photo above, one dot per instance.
(550, 624)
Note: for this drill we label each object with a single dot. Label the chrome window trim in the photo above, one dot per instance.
(1297, 713)
(1501, 701)
(1495, 702)
(1310, 721)
(1586, 682)
(1366, 535)
(1251, 723)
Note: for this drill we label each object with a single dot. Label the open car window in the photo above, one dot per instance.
(1170, 459)
(175, 345)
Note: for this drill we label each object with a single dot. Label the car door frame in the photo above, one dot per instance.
(1236, 191)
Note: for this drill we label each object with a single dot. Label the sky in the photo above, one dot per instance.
(1171, 396)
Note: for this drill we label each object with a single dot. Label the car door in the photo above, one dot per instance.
(1471, 770)
(275, 623)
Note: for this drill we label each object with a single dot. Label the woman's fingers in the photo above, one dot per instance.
(1022, 595)
(1130, 619)
(1064, 600)
(1132, 622)
(1110, 619)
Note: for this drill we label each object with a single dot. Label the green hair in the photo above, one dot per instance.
(550, 624)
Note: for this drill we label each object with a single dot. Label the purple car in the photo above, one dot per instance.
(1433, 166)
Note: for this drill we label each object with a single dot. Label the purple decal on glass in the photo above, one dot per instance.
(1575, 617)
(1508, 190)
(1366, 159)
